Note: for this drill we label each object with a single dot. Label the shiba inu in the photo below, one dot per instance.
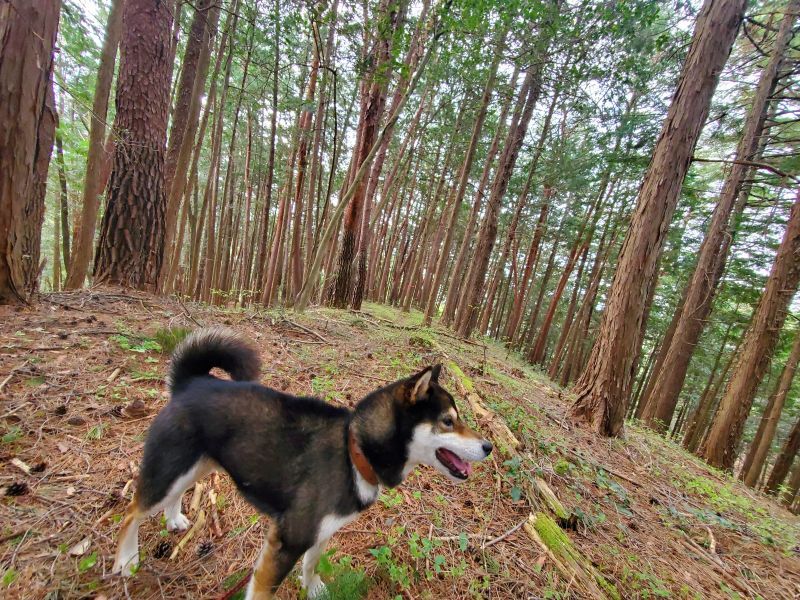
(310, 466)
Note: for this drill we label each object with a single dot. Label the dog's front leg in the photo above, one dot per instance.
(272, 566)
(311, 581)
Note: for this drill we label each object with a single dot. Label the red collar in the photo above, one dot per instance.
(360, 461)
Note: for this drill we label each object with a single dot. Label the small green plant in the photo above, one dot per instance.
(478, 586)
(12, 435)
(391, 498)
(9, 577)
(96, 432)
(514, 475)
(169, 337)
(398, 573)
(138, 345)
(345, 581)
(562, 467)
(87, 562)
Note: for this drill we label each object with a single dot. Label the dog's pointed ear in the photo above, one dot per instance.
(421, 383)
(436, 370)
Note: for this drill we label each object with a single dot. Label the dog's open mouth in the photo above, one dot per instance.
(455, 464)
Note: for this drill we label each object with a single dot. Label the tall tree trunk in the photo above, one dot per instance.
(754, 461)
(196, 265)
(302, 164)
(357, 179)
(261, 266)
(27, 127)
(63, 202)
(185, 122)
(784, 461)
(56, 252)
(526, 101)
(719, 448)
(792, 488)
(94, 181)
(604, 387)
(463, 178)
(454, 287)
(373, 101)
(714, 251)
(130, 251)
(701, 416)
(520, 294)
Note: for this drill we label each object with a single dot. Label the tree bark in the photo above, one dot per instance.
(185, 121)
(714, 251)
(458, 270)
(784, 461)
(604, 387)
(699, 420)
(27, 128)
(130, 251)
(261, 266)
(373, 102)
(473, 291)
(754, 461)
(790, 495)
(719, 448)
(463, 179)
(94, 181)
(63, 202)
(521, 293)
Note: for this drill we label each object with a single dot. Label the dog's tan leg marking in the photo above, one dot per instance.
(264, 579)
(127, 556)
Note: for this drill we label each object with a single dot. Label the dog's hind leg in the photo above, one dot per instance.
(127, 558)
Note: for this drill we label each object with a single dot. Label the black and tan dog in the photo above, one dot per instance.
(312, 467)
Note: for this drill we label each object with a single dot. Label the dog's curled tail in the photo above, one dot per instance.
(204, 349)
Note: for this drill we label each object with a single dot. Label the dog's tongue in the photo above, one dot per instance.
(456, 462)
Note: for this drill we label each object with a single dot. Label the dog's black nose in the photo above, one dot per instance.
(487, 447)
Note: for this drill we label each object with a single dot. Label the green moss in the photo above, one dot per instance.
(466, 382)
(559, 544)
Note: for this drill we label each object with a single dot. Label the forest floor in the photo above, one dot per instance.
(82, 374)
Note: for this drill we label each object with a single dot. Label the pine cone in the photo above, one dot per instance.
(204, 549)
(163, 549)
(18, 488)
(116, 410)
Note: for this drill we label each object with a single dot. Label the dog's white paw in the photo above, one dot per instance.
(126, 565)
(315, 588)
(178, 523)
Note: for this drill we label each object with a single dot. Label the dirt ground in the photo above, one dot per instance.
(82, 374)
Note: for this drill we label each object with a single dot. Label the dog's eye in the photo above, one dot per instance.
(447, 421)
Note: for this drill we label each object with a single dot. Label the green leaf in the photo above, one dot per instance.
(462, 541)
(9, 577)
(12, 436)
(87, 562)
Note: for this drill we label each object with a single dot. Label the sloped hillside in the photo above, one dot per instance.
(555, 513)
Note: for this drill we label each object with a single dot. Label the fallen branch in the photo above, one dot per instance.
(198, 524)
(554, 542)
(306, 329)
(500, 538)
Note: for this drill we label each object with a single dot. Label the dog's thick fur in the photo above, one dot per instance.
(312, 467)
